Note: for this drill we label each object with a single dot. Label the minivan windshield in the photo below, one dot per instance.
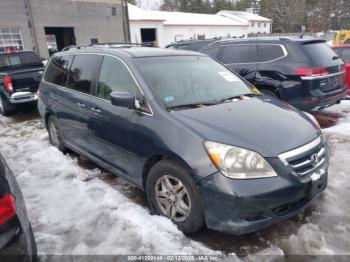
(191, 80)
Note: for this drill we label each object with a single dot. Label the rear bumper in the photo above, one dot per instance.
(21, 247)
(318, 102)
(22, 97)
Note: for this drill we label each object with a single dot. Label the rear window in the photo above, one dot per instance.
(319, 51)
(19, 60)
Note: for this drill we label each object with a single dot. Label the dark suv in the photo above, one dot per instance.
(306, 73)
(204, 146)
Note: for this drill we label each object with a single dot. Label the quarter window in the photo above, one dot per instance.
(57, 70)
(234, 54)
(83, 71)
(114, 76)
(270, 52)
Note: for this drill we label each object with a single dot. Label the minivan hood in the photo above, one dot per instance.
(263, 124)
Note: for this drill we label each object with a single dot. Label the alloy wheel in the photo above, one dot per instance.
(172, 198)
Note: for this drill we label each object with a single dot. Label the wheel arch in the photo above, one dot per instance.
(154, 159)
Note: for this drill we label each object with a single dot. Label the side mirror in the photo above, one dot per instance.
(123, 99)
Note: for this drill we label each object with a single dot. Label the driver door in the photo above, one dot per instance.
(113, 128)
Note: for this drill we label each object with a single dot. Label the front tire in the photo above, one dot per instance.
(171, 192)
(54, 134)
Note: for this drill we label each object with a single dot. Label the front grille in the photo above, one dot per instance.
(307, 158)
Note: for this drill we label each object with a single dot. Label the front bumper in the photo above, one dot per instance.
(22, 97)
(244, 206)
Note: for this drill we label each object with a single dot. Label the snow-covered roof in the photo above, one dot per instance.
(243, 17)
(180, 18)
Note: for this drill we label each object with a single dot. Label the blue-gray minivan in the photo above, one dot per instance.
(205, 146)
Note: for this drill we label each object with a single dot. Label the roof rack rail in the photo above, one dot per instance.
(117, 44)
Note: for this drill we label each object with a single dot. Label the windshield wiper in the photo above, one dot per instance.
(235, 97)
(335, 57)
(194, 105)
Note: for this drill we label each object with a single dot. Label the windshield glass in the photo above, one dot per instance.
(18, 60)
(185, 80)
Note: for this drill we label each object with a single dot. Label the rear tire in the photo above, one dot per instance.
(55, 136)
(171, 192)
(6, 108)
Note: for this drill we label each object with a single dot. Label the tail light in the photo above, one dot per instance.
(8, 84)
(7, 208)
(315, 71)
(342, 68)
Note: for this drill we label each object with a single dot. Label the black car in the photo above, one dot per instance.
(205, 147)
(17, 241)
(20, 74)
(306, 73)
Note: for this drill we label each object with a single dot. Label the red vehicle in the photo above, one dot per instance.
(344, 52)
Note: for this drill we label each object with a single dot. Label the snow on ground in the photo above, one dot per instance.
(70, 216)
(74, 210)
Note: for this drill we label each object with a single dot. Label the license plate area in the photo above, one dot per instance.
(318, 182)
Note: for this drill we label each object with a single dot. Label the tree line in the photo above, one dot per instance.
(288, 15)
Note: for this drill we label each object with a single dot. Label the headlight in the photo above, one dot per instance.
(312, 118)
(238, 163)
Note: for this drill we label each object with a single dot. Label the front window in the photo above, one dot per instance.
(191, 80)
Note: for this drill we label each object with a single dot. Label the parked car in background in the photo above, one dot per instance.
(306, 73)
(204, 146)
(17, 241)
(20, 74)
(344, 52)
(193, 45)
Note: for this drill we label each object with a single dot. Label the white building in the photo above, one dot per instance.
(147, 26)
(257, 24)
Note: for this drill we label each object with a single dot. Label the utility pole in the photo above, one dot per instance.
(126, 25)
(31, 24)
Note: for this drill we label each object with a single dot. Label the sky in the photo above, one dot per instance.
(149, 4)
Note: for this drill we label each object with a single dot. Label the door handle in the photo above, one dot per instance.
(96, 110)
(81, 104)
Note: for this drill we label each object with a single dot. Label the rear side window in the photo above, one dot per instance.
(270, 52)
(212, 52)
(114, 76)
(239, 54)
(57, 70)
(318, 51)
(83, 71)
(18, 60)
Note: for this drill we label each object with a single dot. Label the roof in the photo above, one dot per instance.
(180, 18)
(132, 51)
(243, 17)
(269, 40)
